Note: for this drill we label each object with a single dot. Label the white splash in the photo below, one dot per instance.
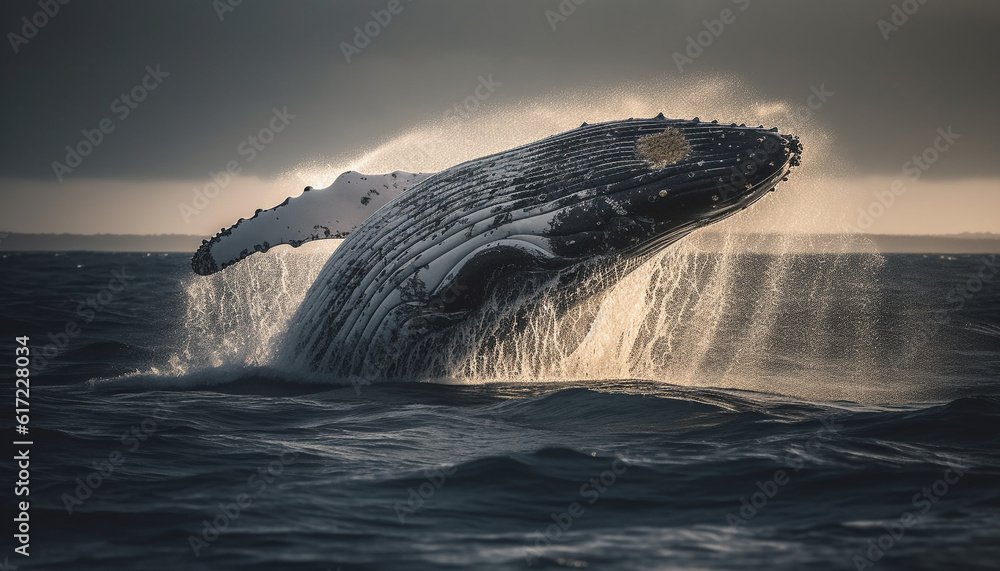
(718, 316)
(237, 317)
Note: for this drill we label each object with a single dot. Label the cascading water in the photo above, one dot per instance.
(236, 317)
(708, 310)
(693, 316)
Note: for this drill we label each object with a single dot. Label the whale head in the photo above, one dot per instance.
(665, 178)
(603, 195)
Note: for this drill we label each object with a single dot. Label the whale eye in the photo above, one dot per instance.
(662, 149)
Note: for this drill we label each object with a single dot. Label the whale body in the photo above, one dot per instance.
(425, 254)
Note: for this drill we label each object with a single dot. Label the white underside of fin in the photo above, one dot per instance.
(316, 214)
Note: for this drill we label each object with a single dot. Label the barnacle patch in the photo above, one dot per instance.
(663, 149)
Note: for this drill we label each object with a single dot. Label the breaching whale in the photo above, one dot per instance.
(425, 253)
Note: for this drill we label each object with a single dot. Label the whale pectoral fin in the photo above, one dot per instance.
(329, 213)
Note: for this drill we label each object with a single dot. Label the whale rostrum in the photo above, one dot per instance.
(425, 253)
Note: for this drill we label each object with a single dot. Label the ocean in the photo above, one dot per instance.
(762, 412)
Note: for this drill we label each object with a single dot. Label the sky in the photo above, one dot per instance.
(187, 115)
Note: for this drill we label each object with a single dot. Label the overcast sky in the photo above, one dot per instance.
(220, 78)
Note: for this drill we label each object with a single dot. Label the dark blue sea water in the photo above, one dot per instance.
(252, 468)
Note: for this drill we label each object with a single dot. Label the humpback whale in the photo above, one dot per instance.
(425, 254)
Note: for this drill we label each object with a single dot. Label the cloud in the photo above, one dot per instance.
(228, 75)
